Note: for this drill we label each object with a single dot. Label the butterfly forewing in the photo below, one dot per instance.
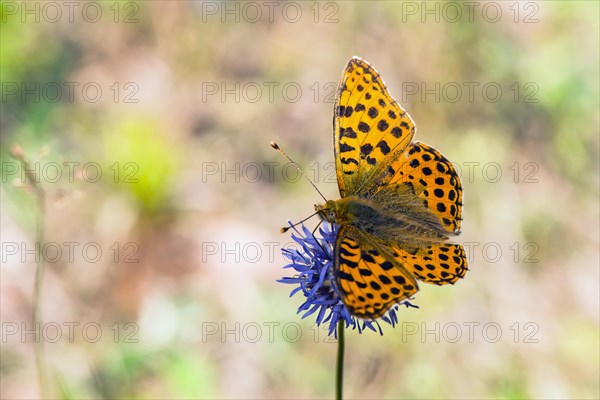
(370, 277)
(370, 128)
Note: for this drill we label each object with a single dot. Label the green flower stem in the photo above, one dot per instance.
(37, 294)
(339, 378)
(40, 197)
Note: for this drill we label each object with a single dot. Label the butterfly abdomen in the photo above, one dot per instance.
(405, 223)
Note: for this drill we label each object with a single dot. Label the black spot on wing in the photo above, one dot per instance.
(386, 265)
(346, 276)
(364, 127)
(382, 125)
(347, 132)
(348, 161)
(366, 149)
(345, 148)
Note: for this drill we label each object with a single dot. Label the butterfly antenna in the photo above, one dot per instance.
(286, 228)
(276, 147)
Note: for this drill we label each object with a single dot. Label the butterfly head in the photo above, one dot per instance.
(329, 211)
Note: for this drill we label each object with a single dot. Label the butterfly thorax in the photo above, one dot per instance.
(397, 223)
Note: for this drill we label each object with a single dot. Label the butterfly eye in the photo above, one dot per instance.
(331, 216)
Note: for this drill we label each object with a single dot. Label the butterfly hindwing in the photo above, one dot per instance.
(433, 179)
(369, 277)
(439, 264)
(370, 127)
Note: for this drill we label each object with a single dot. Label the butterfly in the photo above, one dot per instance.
(400, 201)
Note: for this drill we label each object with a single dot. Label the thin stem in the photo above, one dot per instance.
(40, 197)
(37, 293)
(339, 378)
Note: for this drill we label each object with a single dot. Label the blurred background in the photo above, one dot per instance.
(147, 125)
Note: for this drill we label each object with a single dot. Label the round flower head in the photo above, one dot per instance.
(312, 260)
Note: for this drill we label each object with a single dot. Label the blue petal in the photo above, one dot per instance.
(313, 261)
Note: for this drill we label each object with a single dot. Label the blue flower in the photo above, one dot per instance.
(313, 263)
